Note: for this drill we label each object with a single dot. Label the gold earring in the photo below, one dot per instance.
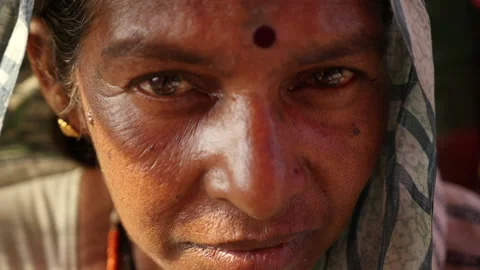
(67, 130)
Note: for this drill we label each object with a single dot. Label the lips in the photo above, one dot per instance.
(253, 244)
(276, 252)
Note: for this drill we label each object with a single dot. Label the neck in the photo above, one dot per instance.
(95, 207)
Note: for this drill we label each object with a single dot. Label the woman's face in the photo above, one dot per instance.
(226, 149)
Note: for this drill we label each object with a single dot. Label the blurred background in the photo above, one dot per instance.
(456, 45)
(456, 48)
(26, 144)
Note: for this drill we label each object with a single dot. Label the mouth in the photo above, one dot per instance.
(278, 252)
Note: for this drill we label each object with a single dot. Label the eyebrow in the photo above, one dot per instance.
(163, 52)
(354, 44)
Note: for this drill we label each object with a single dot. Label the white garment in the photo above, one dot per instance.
(39, 223)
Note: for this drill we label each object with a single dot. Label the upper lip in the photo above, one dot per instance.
(249, 245)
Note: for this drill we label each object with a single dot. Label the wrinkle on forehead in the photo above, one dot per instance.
(169, 19)
(188, 14)
(225, 28)
(259, 11)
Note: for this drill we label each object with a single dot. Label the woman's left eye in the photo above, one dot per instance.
(164, 85)
(326, 88)
(332, 78)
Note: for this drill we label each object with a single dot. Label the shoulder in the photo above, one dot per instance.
(456, 226)
(38, 221)
(52, 192)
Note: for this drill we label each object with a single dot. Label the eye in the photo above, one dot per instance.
(332, 78)
(166, 84)
(327, 87)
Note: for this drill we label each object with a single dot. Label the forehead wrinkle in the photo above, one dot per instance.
(177, 19)
(172, 9)
(127, 51)
(173, 24)
(258, 12)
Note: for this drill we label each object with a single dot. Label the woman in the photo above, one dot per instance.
(240, 135)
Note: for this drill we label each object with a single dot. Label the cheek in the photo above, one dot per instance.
(342, 148)
(145, 162)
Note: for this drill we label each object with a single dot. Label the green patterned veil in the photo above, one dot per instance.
(391, 227)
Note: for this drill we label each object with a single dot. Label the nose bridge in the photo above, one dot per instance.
(256, 164)
(258, 149)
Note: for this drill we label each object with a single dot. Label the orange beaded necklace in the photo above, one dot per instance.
(118, 246)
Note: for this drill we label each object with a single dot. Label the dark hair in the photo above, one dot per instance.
(387, 13)
(68, 21)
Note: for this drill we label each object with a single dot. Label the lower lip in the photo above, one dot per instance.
(277, 257)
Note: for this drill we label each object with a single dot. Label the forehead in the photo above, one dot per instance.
(213, 19)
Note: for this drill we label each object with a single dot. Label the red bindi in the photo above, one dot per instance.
(264, 36)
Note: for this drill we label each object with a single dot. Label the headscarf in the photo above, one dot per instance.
(391, 227)
(14, 20)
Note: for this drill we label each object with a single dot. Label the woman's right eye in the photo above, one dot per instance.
(163, 85)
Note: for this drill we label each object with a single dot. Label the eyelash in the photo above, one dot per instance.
(312, 79)
(173, 84)
(162, 84)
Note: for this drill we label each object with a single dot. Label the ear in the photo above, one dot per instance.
(42, 60)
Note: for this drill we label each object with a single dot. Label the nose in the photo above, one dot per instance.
(255, 168)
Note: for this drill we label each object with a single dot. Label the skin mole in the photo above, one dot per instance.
(264, 36)
(356, 131)
(151, 148)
